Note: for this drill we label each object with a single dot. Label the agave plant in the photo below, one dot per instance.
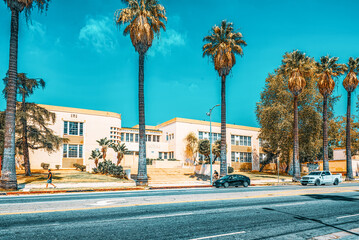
(350, 83)
(327, 68)
(221, 46)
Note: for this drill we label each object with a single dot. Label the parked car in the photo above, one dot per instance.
(232, 180)
(320, 178)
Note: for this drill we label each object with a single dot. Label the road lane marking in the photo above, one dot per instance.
(162, 216)
(348, 216)
(107, 202)
(221, 235)
(174, 202)
(290, 204)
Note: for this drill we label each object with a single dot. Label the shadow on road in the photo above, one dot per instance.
(299, 217)
(332, 197)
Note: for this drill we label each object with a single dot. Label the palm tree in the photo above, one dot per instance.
(326, 69)
(145, 18)
(296, 67)
(25, 88)
(350, 83)
(121, 150)
(95, 155)
(104, 144)
(221, 46)
(8, 176)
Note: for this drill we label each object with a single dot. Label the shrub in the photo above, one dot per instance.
(172, 159)
(149, 161)
(57, 167)
(45, 166)
(79, 167)
(107, 167)
(230, 169)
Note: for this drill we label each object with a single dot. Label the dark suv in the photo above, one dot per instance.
(232, 180)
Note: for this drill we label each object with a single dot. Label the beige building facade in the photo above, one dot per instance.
(165, 144)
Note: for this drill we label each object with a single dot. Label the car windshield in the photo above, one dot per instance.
(225, 177)
(314, 173)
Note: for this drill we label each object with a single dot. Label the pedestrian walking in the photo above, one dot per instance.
(49, 179)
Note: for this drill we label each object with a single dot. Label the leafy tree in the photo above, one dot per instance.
(326, 69)
(339, 137)
(121, 150)
(204, 149)
(350, 83)
(8, 176)
(221, 46)
(275, 116)
(145, 18)
(191, 142)
(296, 67)
(95, 155)
(104, 144)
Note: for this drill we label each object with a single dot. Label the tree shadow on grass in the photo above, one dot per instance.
(299, 217)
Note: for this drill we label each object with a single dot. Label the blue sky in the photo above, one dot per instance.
(88, 63)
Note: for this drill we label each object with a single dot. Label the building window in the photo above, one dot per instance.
(122, 137)
(165, 155)
(127, 137)
(200, 135)
(241, 140)
(160, 155)
(131, 137)
(136, 138)
(149, 138)
(73, 128)
(167, 137)
(65, 151)
(72, 151)
(233, 142)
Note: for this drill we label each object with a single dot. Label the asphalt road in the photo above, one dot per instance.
(287, 212)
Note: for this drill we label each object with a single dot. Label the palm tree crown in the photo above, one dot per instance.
(95, 155)
(351, 81)
(297, 66)
(104, 143)
(145, 18)
(326, 69)
(28, 5)
(222, 45)
(121, 150)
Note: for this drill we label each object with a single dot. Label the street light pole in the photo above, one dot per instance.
(210, 139)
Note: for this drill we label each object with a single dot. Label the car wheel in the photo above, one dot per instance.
(236, 186)
(245, 184)
(217, 186)
(304, 184)
(336, 181)
(226, 185)
(317, 182)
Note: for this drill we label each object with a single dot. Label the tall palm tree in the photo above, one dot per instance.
(326, 69)
(221, 46)
(145, 18)
(25, 88)
(296, 67)
(121, 150)
(8, 176)
(350, 83)
(104, 144)
(95, 155)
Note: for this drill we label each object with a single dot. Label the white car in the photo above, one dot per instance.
(320, 178)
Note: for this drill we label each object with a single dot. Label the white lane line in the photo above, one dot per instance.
(162, 216)
(290, 204)
(107, 202)
(348, 216)
(221, 235)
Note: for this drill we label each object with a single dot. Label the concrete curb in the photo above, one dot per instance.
(175, 187)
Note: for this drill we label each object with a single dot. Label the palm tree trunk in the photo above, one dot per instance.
(142, 168)
(296, 167)
(349, 176)
(8, 172)
(325, 134)
(223, 167)
(25, 145)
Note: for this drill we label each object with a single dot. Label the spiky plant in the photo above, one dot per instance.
(8, 172)
(121, 150)
(95, 155)
(296, 67)
(221, 46)
(350, 83)
(327, 69)
(145, 18)
(104, 144)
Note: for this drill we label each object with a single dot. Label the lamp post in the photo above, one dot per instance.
(210, 139)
